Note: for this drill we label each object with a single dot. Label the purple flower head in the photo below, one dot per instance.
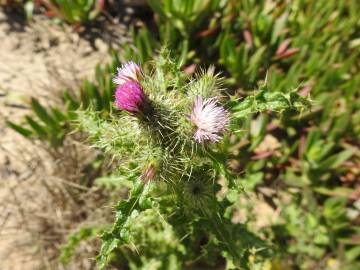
(210, 119)
(128, 72)
(130, 97)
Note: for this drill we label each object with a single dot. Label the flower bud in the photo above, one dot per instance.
(149, 174)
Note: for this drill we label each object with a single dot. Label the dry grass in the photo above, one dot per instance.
(56, 199)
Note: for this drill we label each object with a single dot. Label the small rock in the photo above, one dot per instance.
(101, 45)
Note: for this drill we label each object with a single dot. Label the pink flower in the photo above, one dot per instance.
(128, 72)
(210, 119)
(130, 97)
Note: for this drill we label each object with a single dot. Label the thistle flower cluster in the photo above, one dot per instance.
(209, 119)
(170, 133)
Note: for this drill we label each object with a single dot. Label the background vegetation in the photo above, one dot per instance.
(299, 173)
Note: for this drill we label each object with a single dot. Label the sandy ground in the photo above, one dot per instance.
(35, 60)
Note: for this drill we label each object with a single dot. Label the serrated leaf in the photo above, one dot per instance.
(21, 130)
(41, 112)
(336, 160)
(39, 129)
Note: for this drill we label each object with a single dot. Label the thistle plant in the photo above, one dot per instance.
(170, 135)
